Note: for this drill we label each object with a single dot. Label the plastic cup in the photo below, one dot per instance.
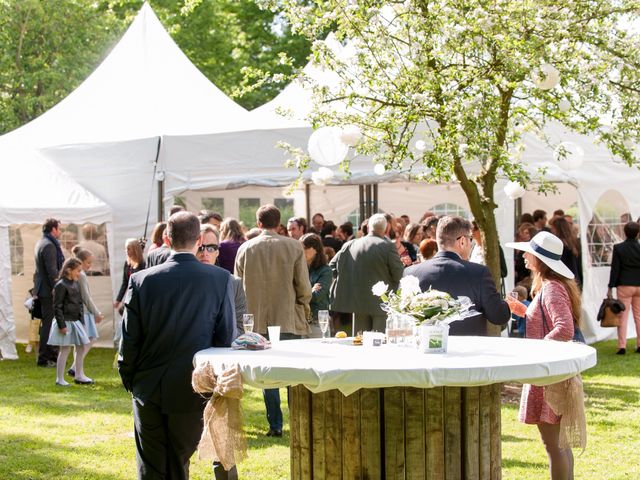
(274, 335)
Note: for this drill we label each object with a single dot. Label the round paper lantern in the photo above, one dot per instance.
(421, 145)
(351, 135)
(546, 77)
(326, 147)
(564, 105)
(514, 190)
(322, 176)
(379, 169)
(569, 155)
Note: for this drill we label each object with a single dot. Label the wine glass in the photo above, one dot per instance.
(323, 321)
(247, 322)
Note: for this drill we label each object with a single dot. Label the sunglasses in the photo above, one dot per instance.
(469, 237)
(212, 247)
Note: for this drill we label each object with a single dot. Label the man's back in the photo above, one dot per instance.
(46, 267)
(447, 272)
(172, 311)
(359, 265)
(276, 282)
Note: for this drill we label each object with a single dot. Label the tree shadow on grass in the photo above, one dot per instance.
(607, 398)
(25, 457)
(512, 438)
(509, 463)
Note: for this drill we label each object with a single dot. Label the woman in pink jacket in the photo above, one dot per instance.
(553, 314)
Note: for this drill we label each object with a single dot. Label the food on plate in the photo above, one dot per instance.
(341, 334)
(357, 340)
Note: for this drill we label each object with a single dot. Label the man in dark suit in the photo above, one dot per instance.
(172, 311)
(49, 259)
(359, 265)
(450, 271)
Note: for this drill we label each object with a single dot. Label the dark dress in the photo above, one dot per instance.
(228, 252)
(127, 272)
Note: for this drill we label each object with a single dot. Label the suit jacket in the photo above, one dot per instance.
(276, 282)
(625, 264)
(447, 272)
(172, 311)
(357, 267)
(46, 274)
(158, 256)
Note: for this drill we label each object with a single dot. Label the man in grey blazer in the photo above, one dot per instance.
(357, 267)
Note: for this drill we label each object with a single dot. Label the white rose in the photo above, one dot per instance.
(379, 288)
(409, 285)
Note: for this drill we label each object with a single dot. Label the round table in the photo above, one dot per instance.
(392, 412)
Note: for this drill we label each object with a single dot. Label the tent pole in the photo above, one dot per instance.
(160, 201)
(361, 203)
(307, 200)
(375, 198)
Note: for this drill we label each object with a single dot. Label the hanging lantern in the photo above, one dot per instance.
(322, 176)
(326, 147)
(514, 190)
(569, 155)
(351, 135)
(379, 169)
(546, 77)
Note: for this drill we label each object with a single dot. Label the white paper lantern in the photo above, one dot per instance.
(546, 77)
(351, 135)
(569, 155)
(325, 146)
(379, 169)
(322, 176)
(514, 190)
(421, 145)
(564, 105)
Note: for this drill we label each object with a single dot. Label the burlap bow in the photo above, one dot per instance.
(566, 399)
(222, 437)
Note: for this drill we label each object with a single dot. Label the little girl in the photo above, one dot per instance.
(92, 315)
(69, 328)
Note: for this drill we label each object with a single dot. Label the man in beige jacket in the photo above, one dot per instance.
(276, 282)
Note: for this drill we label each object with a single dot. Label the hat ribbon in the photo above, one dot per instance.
(543, 251)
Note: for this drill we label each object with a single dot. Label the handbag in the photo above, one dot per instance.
(609, 312)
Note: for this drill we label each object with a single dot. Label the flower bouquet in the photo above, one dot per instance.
(431, 311)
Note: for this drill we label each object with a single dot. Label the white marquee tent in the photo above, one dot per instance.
(106, 136)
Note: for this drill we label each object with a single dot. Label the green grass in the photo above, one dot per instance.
(87, 432)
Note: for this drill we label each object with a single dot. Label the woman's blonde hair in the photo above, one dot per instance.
(545, 272)
(134, 252)
(231, 230)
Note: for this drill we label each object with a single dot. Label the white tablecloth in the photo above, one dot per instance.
(470, 361)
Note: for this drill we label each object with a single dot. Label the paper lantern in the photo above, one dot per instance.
(546, 77)
(351, 135)
(322, 176)
(564, 105)
(379, 169)
(421, 145)
(326, 147)
(569, 155)
(514, 190)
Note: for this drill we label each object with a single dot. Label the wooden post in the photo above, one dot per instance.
(415, 433)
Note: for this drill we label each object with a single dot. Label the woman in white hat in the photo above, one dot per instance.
(553, 314)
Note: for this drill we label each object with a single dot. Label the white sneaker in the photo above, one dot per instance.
(28, 348)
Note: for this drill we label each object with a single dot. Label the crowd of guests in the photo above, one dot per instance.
(285, 273)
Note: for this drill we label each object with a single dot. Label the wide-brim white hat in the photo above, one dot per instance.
(548, 248)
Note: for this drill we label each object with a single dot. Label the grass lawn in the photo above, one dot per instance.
(47, 432)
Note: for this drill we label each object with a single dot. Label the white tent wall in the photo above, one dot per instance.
(7, 324)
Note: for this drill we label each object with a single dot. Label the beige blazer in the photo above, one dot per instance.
(276, 282)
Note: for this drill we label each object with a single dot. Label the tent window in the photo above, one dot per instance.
(16, 249)
(178, 200)
(606, 227)
(248, 208)
(449, 209)
(285, 205)
(213, 204)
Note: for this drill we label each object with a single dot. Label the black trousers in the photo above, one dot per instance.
(164, 441)
(46, 352)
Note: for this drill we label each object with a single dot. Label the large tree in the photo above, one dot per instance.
(446, 88)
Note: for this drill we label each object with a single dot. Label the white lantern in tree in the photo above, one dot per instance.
(569, 155)
(564, 105)
(546, 77)
(351, 135)
(421, 145)
(326, 147)
(322, 176)
(514, 190)
(379, 169)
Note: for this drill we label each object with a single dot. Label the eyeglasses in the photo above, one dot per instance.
(469, 237)
(212, 247)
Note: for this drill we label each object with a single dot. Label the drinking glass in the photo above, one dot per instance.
(247, 322)
(323, 321)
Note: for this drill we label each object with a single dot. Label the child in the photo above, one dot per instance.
(69, 328)
(92, 315)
